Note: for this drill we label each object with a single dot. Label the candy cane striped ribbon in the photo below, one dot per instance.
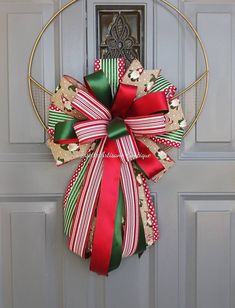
(89, 131)
(90, 107)
(127, 148)
(86, 203)
(130, 190)
(72, 191)
(147, 125)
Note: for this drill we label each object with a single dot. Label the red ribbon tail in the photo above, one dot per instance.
(106, 212)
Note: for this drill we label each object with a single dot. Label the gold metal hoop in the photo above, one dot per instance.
(31, 80)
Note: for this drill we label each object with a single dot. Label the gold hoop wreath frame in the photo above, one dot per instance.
(204, 75)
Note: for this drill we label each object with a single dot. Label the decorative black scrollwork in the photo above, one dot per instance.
(119, 41)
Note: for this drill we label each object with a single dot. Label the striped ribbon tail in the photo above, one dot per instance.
(90, 107)
(127, 148)
(147, 125)
(88, 131)
(114, 70)
(132, 217)
(72, 192)
(86, 203)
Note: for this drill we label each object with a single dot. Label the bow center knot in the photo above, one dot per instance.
(117, 128)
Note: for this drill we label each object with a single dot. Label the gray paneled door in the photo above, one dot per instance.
(193, 265)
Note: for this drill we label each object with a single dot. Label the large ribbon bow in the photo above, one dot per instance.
(110, 188)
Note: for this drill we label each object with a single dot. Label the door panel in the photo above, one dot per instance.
(206, 141)
(30, 241)
(20, 142)
(206, 244)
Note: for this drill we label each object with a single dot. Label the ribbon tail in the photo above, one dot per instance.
(132, 212)
(151, 209)
(142, 243)
(106, 212)
(72, 192)
(86, 204)
(116, 255)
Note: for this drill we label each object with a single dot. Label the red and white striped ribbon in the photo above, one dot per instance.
(86, 203)
(131, 197)
(90, 106)
(147, 125)
(127, 148)
(88, 131)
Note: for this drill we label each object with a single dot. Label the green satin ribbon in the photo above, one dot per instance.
(100, 87)
(116, 255)
(117, 128)
(64, 131)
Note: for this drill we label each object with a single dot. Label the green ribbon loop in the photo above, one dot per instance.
(100, 87)
(117, 128)
(64, 131)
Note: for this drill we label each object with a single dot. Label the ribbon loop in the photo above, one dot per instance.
(151, 125)
(148, 104)
(123, 100)
(89, 106)
(64, 132)
(98, 85)
(89, 131)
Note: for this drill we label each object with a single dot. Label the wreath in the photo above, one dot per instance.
(118, 123)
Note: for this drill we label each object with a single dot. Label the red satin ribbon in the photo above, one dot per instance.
(106, 211)
(123, 100)
(148, 104)
(149, 163)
